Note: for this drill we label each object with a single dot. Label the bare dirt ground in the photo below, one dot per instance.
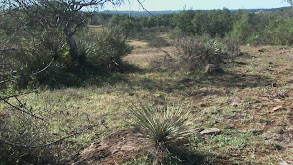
(115, 148)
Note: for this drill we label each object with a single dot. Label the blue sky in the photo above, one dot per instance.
(154, 5)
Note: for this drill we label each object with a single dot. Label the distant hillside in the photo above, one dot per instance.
(140, 13)
(146, 14)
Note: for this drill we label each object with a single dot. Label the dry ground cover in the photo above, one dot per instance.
(252, 105)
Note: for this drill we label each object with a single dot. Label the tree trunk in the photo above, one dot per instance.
(73, 47)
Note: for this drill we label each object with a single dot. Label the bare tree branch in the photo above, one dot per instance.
(140, 3)
(20, 109)
(47, 144)
(290, 2)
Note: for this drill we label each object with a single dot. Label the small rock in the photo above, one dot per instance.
(278, 108)
(211, 131)
(282, 162)
(234, 101)
(127, 148)
(268, 135)
(230, 124)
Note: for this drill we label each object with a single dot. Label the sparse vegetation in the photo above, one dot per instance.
(250, 104)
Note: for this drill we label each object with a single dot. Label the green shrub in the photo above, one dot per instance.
(194, 53)
(280, 31)
(197, 52)
(162, 125)
(104, 49)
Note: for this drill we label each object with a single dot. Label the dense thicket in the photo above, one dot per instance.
(257, 27)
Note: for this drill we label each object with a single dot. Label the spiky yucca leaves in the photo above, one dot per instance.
(162, 125)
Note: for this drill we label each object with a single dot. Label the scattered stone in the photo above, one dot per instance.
(268, 135)
(234, 102)
(229, 124)
(278, 108)
(282, 162)
(211, 131)
(127, 148)
(211, 69)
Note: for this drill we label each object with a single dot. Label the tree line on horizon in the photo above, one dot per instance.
(256, 28)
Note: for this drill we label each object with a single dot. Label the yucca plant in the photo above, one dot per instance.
(162, 125)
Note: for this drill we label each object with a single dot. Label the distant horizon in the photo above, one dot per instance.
(197, 9)
(178, 5)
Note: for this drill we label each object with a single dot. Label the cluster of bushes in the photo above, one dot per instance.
(104, 49)
(263, 27)
(134, 26)
(195, 52)
(212, 22)
(253, 27)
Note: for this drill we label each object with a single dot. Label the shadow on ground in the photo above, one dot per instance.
(227, 81)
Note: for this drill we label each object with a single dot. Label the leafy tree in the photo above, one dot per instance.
(183, 22)
(125, 22)
(242, 28)
(280, 31)
(218, 22)
(64, 17)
